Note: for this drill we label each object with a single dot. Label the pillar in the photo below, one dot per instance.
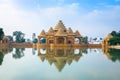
(65, 40)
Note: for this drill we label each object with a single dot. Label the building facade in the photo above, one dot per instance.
(59, 35)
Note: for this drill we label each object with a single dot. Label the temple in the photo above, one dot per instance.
(59, 35)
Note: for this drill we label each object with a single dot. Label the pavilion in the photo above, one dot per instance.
(59, 35)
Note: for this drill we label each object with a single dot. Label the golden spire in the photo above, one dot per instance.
(69, 30)
(60, 25)
(50, 31)
(42, 33)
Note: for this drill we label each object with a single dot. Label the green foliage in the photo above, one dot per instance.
(115, 54)
(85, 40)
(10, 38)
(19, 36)
(1, 57)
(1, 34)
(114, 41)
(35, 40)
(19, 53)
(115, 34)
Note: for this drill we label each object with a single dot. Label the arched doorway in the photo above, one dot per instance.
(60, 40)
(76, 40)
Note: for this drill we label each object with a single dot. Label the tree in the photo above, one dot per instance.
(113, 33)
(1, 58)
(1, 34)
(10, 38)
(115, 54)
(19, 53)
(19, 36)
(114, 41)
(85, 40)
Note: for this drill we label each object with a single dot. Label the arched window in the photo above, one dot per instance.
(43, 40)
(76, 40)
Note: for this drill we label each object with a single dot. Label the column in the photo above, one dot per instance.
(64, 40)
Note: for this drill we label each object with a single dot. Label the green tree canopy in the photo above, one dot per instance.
(19, 36)
(85, 40)
(1, 34)
(10, 38)
(115, 39)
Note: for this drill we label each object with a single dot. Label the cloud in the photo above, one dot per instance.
(91, 23)
(14, 18)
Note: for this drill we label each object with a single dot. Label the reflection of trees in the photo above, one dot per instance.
(19, 52)
(10, 50)
(84, 51)
(1, 58)
(33, 51)
(115, 54)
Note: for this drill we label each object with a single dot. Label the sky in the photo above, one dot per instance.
(92, 18)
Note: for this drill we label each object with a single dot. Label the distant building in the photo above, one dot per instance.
(105, 42)
(5, 40)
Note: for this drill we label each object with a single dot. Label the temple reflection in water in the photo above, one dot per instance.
(60, 56)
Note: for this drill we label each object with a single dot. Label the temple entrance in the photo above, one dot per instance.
(51, 41)
(69, 42)
(60, 40)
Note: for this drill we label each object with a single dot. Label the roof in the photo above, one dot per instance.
(50, 31)
(108, 37)
(77, 33)
(61, 32)
(60, 25)
(69, 30)
(42, 33)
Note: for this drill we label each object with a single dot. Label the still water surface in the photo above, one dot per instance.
(59, 64)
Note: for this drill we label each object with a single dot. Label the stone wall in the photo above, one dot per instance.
(21, 45)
